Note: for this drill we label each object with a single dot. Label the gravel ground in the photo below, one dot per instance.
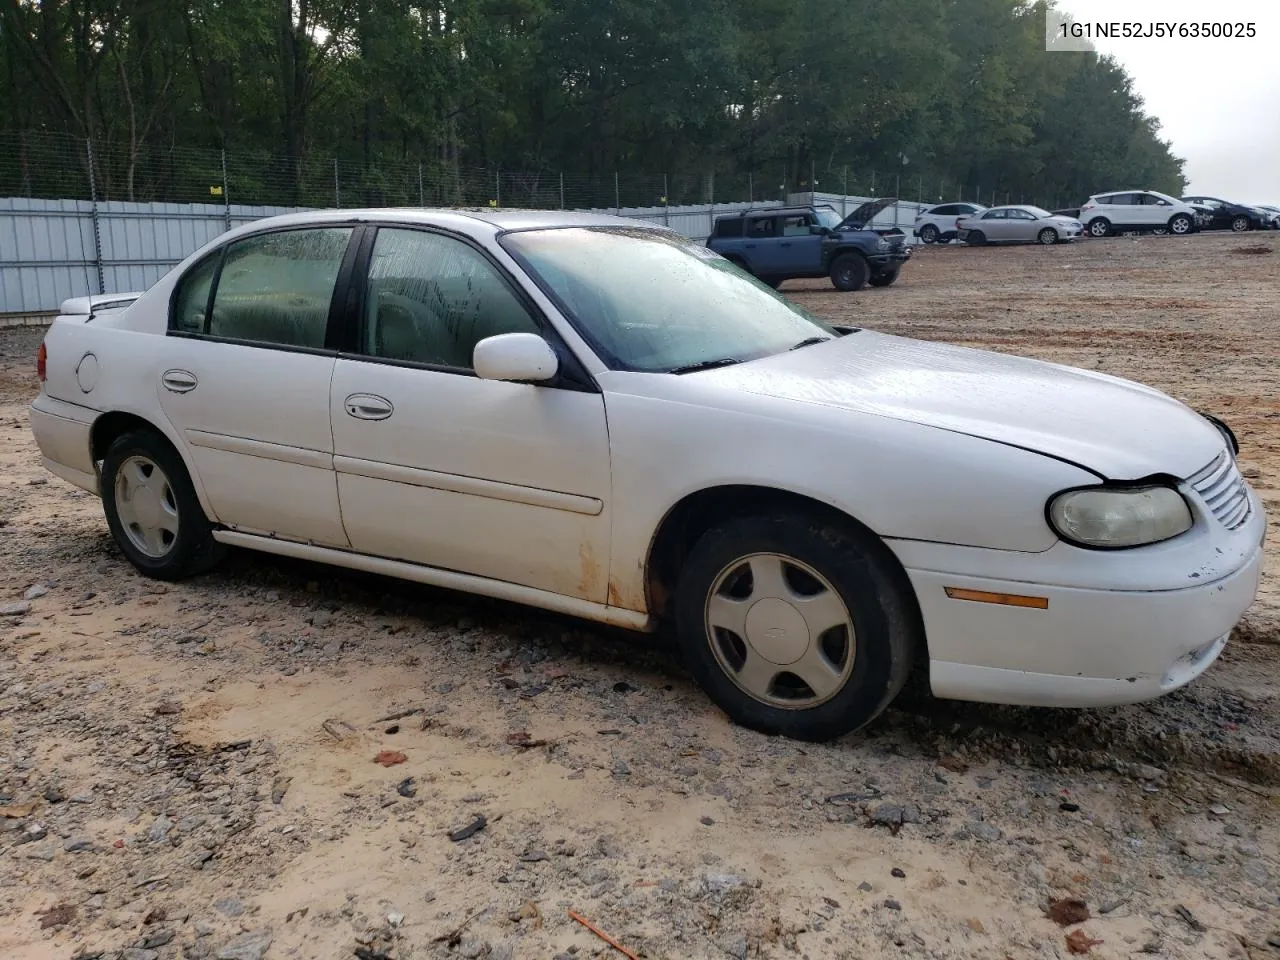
(192, 770)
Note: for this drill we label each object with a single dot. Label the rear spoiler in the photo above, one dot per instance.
(88, 306)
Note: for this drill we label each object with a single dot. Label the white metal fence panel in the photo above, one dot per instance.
(54, 249)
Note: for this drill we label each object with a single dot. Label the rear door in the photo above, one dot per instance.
(758, 245)
(993, 224)
(1126, 209)
(245, 378)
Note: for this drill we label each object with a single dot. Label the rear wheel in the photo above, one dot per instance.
(849, 272)
(1180, 224)
(152, 509)
(928, 233)
(1099, 227)
(1048, 236)
(794, 626)
(975, 238)
(885, 279)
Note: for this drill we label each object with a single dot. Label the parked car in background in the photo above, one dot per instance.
(600, 417)
(937, 224)
(781, 243)
(1017, 223)
(1274, 213)
(1137, 210)
(1225, 215)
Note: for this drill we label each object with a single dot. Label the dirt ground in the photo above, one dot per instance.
(189, 770)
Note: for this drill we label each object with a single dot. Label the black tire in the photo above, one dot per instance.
(1160, 231)
(877, 599)
(885, 279)
(1180, 224)
(191, 549)
(850, 272)
(1099, 227)
(929, 233)
(1240, 224)
(1047, 237)
(976, 238)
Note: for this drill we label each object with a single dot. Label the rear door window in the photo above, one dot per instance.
(276, 288)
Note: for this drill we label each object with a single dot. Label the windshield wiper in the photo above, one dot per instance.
(704, 365)
(810, 342)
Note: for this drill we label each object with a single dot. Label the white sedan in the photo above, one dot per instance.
(599, 417)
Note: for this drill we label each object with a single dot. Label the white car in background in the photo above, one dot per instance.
(1138, 210)
(1017, 223)
(937, 224)
(600, 417)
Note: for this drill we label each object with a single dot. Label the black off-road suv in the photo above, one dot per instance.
(781, 243)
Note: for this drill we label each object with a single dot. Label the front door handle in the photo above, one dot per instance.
(179, 381)
(368, 406)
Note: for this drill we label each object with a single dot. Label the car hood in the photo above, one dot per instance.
(865, 213)
(1116, 428)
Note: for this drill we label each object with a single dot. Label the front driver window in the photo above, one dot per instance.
(432, 298)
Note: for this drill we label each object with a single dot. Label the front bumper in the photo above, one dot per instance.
(890, 258)
(1087, 645)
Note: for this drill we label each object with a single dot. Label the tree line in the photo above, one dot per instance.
(773, 93)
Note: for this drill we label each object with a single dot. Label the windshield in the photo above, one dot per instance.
(828, 217)
(654, 302)
(1038, 211)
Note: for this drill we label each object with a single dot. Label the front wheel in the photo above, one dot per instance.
(1180, 224)
(1099, 227)
(152, 509)
(1047, 237)
(1240, 224)
(885, 279)
(849, 272)
(928, 233)
(795, 626)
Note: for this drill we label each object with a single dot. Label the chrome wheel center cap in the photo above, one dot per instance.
(776, 630)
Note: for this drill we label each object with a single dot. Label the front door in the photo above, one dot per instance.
(436, 466)
(800, 249)
(244, 379)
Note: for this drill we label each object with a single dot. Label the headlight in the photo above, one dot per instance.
(1227, 434)
(1117, 517)
(884, 243)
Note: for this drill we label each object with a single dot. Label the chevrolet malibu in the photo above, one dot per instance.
(602, 418)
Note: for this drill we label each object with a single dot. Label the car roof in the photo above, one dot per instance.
(775, 211)
(475, 221)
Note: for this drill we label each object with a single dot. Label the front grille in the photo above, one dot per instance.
(1223, 490)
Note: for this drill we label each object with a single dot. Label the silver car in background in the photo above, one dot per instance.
(1017, 223)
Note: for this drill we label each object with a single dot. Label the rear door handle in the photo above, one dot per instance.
(179, 381)
(368, 406)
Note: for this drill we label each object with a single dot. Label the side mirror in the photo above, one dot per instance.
(519, 357)
(820, 231)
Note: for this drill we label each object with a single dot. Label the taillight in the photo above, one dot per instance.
(42, 362)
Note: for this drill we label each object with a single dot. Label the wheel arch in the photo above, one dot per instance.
(115, 423)
(697, 512)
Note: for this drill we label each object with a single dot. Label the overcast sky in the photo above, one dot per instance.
(1218, 100)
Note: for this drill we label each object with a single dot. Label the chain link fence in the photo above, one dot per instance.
(61, 167)
(81, 217)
